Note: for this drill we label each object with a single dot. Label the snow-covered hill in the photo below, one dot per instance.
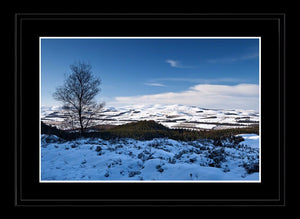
(159, 160)
(172, 116)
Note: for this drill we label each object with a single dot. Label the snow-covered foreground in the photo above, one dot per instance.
(156, 160)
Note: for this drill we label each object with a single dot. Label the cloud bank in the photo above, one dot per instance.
(241, 96)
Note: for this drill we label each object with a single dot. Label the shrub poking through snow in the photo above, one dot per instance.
(251, 167)
(172, 160)
(133, 173)
(217, 155)
(159, 168)
(98, 148)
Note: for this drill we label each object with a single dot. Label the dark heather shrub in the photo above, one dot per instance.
(98, 149)
(251, 167)
(133, 173)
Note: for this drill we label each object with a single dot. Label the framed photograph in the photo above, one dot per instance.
(149, 109)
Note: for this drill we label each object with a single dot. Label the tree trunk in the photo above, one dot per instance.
(81, 122)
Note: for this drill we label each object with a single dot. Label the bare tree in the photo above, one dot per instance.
(78, 96)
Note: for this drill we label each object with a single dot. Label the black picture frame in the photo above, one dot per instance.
(30, 26)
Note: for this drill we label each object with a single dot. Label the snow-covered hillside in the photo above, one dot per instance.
(158, 160)
(172, 116)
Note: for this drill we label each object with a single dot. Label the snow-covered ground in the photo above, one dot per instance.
(156, 160)
(172, 116)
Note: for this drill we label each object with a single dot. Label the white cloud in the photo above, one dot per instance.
(241, 96)
(173, 63)
(177, 64)
(155, 84)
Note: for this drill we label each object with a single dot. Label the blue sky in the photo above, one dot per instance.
(202, 72)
